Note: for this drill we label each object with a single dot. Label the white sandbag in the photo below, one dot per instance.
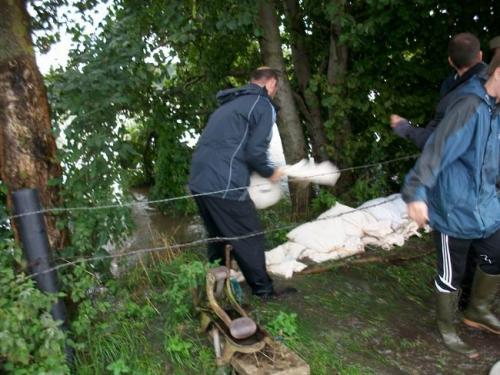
(368, 240)
(324, 173)
(409, 230)
(336, 210)
(354, 244)
(391, 208)
(393, 239)
(343, 231)
(293, 250)
(339, 253)
(378, 229)
(322, 236)
(263, 192)
(276, 255)
(287, 268)
(354, 221)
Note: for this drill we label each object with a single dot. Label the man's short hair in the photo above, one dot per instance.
(463, 50)
(495, 43)
(264, 73)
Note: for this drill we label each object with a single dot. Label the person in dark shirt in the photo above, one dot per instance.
(465, 56)
(452, 186)
(234, 144)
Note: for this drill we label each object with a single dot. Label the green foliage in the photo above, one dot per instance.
(275, 217)
(323, 201)
(31, 342)
(118, 330)
(179, 350)
(187, 278)
(118, 367)
(370, 185)
(284, 327)
(132, 96)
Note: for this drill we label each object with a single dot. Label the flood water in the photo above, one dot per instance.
(153, 229)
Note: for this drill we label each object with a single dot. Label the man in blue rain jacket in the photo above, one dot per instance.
(452, 186)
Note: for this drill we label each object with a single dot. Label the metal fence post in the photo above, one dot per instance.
(35, 243)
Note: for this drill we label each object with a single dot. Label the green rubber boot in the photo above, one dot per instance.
(446, 309)
(478, 313)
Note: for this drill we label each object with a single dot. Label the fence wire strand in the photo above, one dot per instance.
(200, 241)
(187, 196)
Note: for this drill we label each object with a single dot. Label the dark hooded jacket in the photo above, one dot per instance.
(448, 94)
(458, 168)
(234, 143)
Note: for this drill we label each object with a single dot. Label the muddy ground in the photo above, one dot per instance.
(377, 318)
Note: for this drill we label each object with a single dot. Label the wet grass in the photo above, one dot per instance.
(371, 318)
(376, 318)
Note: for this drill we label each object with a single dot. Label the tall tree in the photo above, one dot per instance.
(307, 100)
(289, 124)
(27, 146)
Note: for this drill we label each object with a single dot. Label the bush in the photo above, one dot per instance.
(31, 342)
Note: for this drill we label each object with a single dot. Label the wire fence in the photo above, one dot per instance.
(72, 261)
(203, 241)
(188, 196)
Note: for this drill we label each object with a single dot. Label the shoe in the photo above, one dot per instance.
(478, 313)
(276, 294)
(446, 308)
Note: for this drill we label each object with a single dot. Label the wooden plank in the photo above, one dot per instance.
(275, 359)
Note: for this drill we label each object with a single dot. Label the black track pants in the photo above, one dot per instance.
(452, 255)
(231, 218)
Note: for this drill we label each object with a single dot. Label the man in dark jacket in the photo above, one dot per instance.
(233, 144)
(453, 187)
(465, 56)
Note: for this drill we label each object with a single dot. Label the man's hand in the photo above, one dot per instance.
(276, 176)
(418, 211)
(395, 120)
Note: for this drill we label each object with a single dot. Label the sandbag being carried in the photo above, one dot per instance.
(324, 173)
(265, 193)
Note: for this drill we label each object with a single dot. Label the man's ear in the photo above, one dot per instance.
(480, 56)
(496, 74)
(451, 63)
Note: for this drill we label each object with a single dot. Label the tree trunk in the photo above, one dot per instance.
(292, 135)
(308, 101)
(336, 76)
(27, 146)
(336, 73)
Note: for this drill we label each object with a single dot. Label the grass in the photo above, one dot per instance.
(363, 319)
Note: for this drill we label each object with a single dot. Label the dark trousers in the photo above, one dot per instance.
(231, 218)
(453, 255)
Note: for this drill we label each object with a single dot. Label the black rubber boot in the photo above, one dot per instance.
(446, 309)
(478, 313)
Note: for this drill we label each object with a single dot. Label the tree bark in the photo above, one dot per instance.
(27, 146)
(302, 67)
(336, 73)
(291, 132)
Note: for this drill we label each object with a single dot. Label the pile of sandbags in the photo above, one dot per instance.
(343, 231)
